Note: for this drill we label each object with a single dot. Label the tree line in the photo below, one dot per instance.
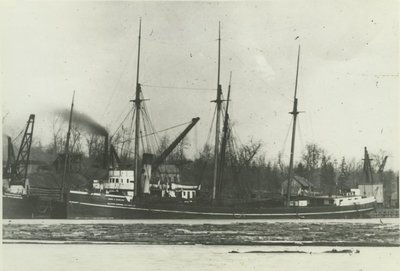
(246, 170)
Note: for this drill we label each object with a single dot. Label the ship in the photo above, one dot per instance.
(127, 193)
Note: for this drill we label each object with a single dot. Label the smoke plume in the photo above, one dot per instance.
(86, 122)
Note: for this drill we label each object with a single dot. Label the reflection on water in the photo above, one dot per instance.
(193, 257)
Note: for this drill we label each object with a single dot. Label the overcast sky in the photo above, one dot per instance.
(348, 79)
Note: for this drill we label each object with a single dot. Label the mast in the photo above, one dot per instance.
(225, 136)
(137, 102)
(294, 113)
(218, 101)
(64, 184)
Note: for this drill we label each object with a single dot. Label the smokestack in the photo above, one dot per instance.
(106, 152)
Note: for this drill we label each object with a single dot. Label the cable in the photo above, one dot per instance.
(212, 124)
(172, 87)
(300, 134)
(286, 137)
(116, 130)
(173, 127)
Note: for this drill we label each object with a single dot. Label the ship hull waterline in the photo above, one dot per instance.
(90, 206)
(95, 207)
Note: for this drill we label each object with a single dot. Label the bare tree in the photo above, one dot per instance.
(95, 146)
(378, 159)
(248, 152)
(312, 158)
(75, 140)
(58, 135)
(164, 143)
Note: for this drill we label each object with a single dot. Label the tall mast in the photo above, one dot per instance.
(218, 101)
(137, 120)
(225, 136)
(64, 184)
(294, 113)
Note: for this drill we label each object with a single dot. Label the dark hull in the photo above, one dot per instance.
(91, 206)
(15, 206)
(22, 207)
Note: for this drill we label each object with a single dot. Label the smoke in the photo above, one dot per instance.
(86, 122)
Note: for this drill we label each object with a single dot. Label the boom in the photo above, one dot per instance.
(157, 162)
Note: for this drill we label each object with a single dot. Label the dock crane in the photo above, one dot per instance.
(19, 168)
(115, 161)
(151, 164)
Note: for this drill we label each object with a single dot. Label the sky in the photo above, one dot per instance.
(348, 84)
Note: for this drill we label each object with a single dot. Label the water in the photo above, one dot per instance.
(197, 221)
(368, 244)
(366, 232)
(193, 257)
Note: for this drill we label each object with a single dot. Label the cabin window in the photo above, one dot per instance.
(117, 180)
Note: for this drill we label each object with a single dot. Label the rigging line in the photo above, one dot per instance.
(286, 137)
(127, 106)
(172, 87)
(123, 149)
(152, 129)
(235, 135)
(122, 122)
(146, 124)
(300, 133)
(145, 132)
(141, 139)
(168, 128)
(130, 129)
(211, 127)
(146, 111)
(110, 99)
(20, 133)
